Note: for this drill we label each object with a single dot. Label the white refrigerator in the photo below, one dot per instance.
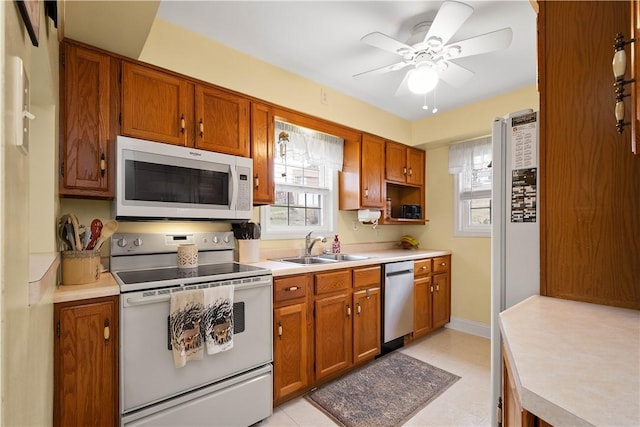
(515, 234)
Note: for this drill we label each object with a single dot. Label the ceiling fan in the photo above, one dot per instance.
(428, 53)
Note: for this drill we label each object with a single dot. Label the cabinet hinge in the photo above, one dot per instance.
(62, 168)
(62, 55)
(120, 119)
(58, 329)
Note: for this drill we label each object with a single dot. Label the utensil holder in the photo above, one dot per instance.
(187, 256)
(80, 267)
(249, 250)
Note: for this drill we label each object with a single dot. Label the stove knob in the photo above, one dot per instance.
(138, 242)
(215, 239)
(122, 242)
(226, 239)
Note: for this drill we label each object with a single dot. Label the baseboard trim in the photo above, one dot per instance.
(470, 327)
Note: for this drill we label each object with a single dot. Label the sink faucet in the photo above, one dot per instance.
(309, 242)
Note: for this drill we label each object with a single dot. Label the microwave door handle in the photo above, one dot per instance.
(234, 188)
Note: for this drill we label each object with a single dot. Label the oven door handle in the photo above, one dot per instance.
(164, 298)
(147, 300)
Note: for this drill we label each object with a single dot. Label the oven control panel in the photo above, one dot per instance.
(153, 243)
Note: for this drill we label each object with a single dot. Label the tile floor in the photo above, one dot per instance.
(465, 403)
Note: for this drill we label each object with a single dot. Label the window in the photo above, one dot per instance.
(305, 175)
(470, 164)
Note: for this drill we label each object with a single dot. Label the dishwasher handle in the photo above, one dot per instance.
(398, 273)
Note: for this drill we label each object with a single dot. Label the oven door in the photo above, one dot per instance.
(147, 371)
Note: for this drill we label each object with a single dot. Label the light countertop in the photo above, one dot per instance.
(575, 363)
(107, 285)
(280, 268)
(104, 287)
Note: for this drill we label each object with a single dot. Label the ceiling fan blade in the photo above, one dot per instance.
(403, 88)
(455, 75)
(448, 20)
(382, 70)
(384, 42)
(495, 40)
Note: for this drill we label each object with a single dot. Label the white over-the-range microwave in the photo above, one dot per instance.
(163, 181)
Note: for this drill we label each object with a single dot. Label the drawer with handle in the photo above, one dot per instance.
(422, 267)
(289, 288)
(441, 264)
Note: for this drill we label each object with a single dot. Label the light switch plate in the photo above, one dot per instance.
(21, 104)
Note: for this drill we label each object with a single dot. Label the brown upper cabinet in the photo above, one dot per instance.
(156, 106)
(164, 107)
(89, 102)
(404, 164)
(262, 148)
(362, 177)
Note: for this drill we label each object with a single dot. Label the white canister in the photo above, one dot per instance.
(248, 250)
(187, 256)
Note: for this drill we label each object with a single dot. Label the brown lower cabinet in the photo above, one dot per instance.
(324, 324)
(432, 294)
(513, 414)
(86, 363)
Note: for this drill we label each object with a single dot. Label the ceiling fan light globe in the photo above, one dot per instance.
(422, 80)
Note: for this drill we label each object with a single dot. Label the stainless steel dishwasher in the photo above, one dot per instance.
(398, 304)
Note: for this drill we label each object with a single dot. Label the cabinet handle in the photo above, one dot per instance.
(410, 171)
(106, 331)
(424, 267)
(366, 193)
(348, 311)
(358, 309)
(280, 329)
(619, 65)
(437, 288)
(201, 128)
(404, 170)
(103, 164)
(292, 288)
(256, 181)
(444, 264)
(182, 124)
(431, 288)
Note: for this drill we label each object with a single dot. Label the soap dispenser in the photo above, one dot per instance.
(335, 246)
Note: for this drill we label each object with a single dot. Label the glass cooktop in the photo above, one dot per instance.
(207, 271)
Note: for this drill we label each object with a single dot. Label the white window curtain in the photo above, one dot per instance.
(471, 161)
(310, 147)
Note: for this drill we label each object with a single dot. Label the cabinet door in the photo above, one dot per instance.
(441, 299)
(415, 166)
(86, 369)
(372, 178)
(395, 162)
(422, 306)
(89, 103)
(366, 324)
(222, 121)
(290, 350)
(156, 106)
(262, 146)
(333, 334)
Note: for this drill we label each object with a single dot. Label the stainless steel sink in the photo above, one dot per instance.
(306, 260)
(343, 257)
(322, 259)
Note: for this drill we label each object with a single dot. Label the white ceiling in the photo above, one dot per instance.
(320, 40)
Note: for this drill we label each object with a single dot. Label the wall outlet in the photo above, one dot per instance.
(324, 97)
